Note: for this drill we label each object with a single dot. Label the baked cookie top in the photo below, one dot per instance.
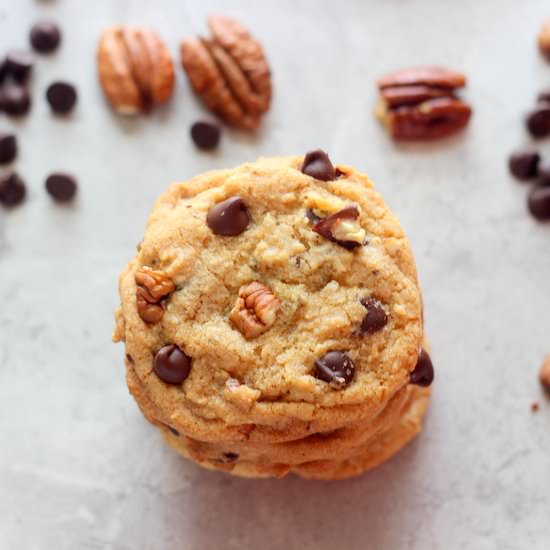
(278, 293)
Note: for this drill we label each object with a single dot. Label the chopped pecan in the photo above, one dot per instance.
(152, 287)
(341, 227)
(431, 119)
(255, 309)
(135, 69)
(428, 75)
(229, 71)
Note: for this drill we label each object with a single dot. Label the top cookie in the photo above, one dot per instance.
(281, 295)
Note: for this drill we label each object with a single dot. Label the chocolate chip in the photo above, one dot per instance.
(523, 164)
(19, 65)
(16, 100)
(171, 365)
(538, 121)
(317, 165)
(173, 431)
(336, 368)
(12, 189)
(45, 36)
(423, 373)
(229, 457)
(62, 187)
(539, 202)
(375, 319)
(543, 172)
(329, 227)
(61, 96)
(8, 148)
(229, 217)
(206, 135)
(312, 216)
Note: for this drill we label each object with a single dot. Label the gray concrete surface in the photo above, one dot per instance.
(80, 469)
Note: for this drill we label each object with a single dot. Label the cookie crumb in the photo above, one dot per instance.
(535, 406)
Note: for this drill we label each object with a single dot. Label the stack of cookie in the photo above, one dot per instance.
(273, 321)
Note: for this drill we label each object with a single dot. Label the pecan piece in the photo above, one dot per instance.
(135, 69)
(152, 287)
(395, 96)
(341, 227)
(255, 309)
(229, 71)
(428, 75)
(431, 119)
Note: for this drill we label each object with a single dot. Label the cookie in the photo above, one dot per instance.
(272, 321)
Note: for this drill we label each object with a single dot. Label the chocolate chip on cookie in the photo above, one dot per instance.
(317, 165)
(375, 319)
(423, 373)
(336, 368)
(342, 228)
(171, 365)
(228, 218)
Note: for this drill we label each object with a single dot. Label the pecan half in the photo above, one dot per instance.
(229, 71)
(135, 69)
(429, 75)
(341, 227)
(152, 287)
(431, 119)
(255, 309)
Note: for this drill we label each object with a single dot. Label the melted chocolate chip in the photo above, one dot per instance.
(523, 164)
(229, 457)
(8, 148)
(327, 226)
(171, 365)
(375, 319)
(12, 189)
(317, 165)
(335, 367)
(206, 135)
(45, 36)
(229, 217)
(423, 373)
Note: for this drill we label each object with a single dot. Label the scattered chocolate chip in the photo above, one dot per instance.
(16, 100)
(317, 165)
(12, 189)
(229, 457)
(335, 367)
(8, 148)
(523, 164)
(312, 216)
(423, 373)
(229, 217)
(538, 121)
(171, 365)
(62, 97)
(331, 228)
(544, 375)
(19, 65)
(173, 431)
(538, 202)
(62, 187)
(375, 319)
(206, 135)
(45, 36)
(535, 406)
(543, 172)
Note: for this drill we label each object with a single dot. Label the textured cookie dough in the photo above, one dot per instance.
(254, 404)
